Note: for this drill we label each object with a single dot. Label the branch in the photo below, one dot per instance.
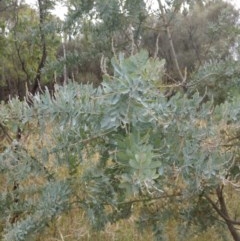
(223, 212)
(156, 46)
(216, 208)
(6, 133)
(152, 199)
(79, 201)
(200, 80)
(182, 76)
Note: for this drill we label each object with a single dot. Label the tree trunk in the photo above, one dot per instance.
(65, 78)
(37, 79)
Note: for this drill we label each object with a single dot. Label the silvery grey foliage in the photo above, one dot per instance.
(172, 158)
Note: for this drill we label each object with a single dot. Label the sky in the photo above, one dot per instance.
(60, 11)
(236, 3)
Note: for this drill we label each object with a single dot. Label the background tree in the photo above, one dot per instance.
(99, 29)
(204, 32)
(23, 57)
(201, 34)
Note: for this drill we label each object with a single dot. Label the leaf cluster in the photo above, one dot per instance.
(168, 155)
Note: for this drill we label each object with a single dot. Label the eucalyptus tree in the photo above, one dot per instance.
(199, 33)
(6, 9)
(44, 28)
(100, 28)
(31, 39)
